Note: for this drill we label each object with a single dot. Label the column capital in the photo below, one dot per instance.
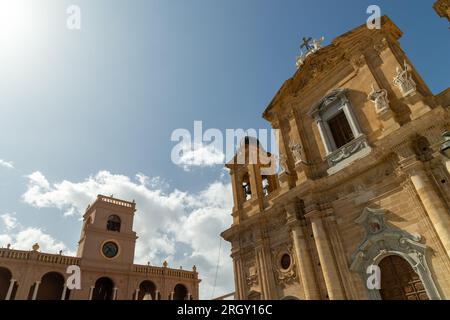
(319, 211)
(412, 166)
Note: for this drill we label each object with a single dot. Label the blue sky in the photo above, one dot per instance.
(106, 99)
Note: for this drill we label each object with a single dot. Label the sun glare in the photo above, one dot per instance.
(16, 24)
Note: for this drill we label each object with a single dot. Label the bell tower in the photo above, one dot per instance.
(107, 235)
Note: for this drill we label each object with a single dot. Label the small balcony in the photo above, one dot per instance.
(345, 155)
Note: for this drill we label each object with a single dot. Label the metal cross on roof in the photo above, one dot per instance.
(307, 43)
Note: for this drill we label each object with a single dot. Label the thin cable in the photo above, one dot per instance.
(217, 269)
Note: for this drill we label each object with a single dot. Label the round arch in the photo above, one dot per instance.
(397, 274)
(180, 292)
(290, 298)
(104, 289)
(51, 286)
(5, 281)
(147, 290)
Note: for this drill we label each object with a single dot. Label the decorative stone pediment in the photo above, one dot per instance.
(382, 240)
(327, 101)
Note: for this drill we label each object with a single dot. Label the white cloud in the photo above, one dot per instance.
(9, 220)
(23, 238)
(6, 164)
(180, 227)
(199, 155)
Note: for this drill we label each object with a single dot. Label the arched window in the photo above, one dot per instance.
(113, 223)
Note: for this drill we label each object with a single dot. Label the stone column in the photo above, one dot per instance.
(328, 265)
(10, 289)
(36, 288)
(303, 257)
(171, 295)
(63, 295)
(91, 292)
(156, 295)
(265, 272)
(239, 278)
(435, 207)
(115, 293)
(136, 294)
(189, 296)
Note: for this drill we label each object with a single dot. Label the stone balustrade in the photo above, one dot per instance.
(41, 257)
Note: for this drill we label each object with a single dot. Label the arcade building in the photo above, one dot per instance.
(105, 257)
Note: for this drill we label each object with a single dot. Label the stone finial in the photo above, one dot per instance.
(404, 81)
(380, 98)
(148, 263)
(60, 252)
(194, 268)
(181, 267)
(8, 246)
(35, 247)
(165, 264)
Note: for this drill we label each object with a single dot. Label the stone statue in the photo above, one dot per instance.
(380, 98)
(404, 81)
(296, 150)
(283, 164)
(311, 46)
(317, 44)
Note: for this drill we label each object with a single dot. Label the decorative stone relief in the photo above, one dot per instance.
(404, 81)
(296, 150)
(252, 277)
(380, 241)
(380, 98)
(284, 168)
(284, 275)
(348, 150)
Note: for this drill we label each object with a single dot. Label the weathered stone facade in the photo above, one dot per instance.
(105, 274)
(363, 180)
(442, 7)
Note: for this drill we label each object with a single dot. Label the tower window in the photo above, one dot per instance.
(113, 223)
(247, 190)
(340, 129)
(268, 185)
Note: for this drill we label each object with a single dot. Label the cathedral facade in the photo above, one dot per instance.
(360, 206)
(105, 261)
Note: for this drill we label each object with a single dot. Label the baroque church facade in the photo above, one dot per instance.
(363, 188)
(105, 258)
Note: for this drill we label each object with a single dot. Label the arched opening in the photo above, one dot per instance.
(290, 298)
(180, 292)
(5, 281)
(113, 223)
(103, 290)
(147, 291)
(51, 287)
(246, 187)
(399, 281)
